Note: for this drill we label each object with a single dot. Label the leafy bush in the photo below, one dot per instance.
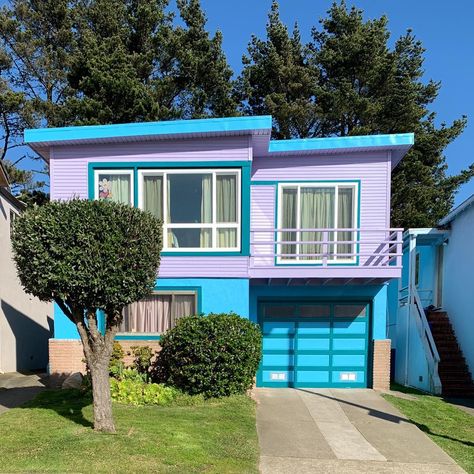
(116, 365)
(142, 358)
(215, 355)
(138, 392)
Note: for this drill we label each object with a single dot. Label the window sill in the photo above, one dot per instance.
(138, 336)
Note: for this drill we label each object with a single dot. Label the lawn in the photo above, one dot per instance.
(445, 424)
(53, 433)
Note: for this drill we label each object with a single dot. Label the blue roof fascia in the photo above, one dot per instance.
(171, 127)
(456, 211)
(332, 143)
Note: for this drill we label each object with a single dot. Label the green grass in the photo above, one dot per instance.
(54, 433)
(448, 426)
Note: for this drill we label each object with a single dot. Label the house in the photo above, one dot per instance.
(293, 234)
(25, 322)
(431, 319)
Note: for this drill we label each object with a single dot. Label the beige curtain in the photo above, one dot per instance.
(316, 212)
(157, 313)
(227, 238)
(345, 220)
(115, 187)
(289, 221)
(226, 198)
(153, 195)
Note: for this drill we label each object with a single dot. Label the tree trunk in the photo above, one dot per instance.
(102, 401)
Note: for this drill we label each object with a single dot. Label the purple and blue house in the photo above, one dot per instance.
(292, 234)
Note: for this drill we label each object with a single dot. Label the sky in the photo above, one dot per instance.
(444, 27)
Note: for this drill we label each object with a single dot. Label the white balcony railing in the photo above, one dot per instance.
(326, 247)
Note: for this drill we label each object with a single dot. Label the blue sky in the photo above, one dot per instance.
(444, 27)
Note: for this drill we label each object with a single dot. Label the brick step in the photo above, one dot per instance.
(437, 315)
(447, 372)
(452, 362)
(458, 392)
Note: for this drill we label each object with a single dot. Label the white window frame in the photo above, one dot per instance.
(171, 293)
(314, 184)
(100, 171)
(214, 225)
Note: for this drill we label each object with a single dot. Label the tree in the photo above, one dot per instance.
(35, 40)
(277, 80)
(89, 257)
(202, 76)
(348, 81)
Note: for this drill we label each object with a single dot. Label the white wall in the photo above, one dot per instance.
(458, 284)
(25, 322)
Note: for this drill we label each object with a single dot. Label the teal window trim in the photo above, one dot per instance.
(344, 181)
(162, 289)
(245, 167)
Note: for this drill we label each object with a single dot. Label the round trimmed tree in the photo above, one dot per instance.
(89, 256)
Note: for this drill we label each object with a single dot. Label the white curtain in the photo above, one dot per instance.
(226, 198)
(345, 220)
(157, 313)
(115, 187)
(289, 221)
(316, 212)
(206, 210)
(153, 195)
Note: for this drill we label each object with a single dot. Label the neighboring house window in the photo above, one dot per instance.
(417, 269)
(158, 312)
(200, 209)
(114, 185)
(317, 206)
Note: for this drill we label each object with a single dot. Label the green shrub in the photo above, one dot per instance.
(142, 356)
(215, 355)
(137, 392)
(116, 365)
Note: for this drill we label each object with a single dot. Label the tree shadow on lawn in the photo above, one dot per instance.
(66, 403)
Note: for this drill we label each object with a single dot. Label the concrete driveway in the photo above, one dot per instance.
(341, 431)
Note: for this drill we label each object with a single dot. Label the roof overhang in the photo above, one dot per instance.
(456, 211)
(258, 127)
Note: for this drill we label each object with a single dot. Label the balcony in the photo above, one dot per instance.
(369, 254)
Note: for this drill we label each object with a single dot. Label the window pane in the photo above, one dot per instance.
(315, 311)
(183, 305)
(280, 311)
(153, 195)
(289, 215)
(189, 198)
(345, 220)
(114, 187)
(227, 238)
(226, 198)
(317, 211)
(152, 314)
(157, 313)
(350, 310)
(189, 238)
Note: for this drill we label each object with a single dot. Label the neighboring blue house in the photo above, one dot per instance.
(293, 234)
(431, 321)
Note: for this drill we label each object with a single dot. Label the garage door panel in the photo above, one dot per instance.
(319, 327)
(280, 343)
(348, 360)
(317, 344)
(278, 360)
(278, 328)
(347, 344)
(349, 327)
(312, 376)
(312, 360)
(348, 377)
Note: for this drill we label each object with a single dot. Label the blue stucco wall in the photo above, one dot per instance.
(377, 295)
(215, 295)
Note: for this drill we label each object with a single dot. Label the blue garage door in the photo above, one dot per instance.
(314, 345)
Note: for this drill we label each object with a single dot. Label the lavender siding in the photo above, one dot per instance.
(189, 267)
(69, 164)
(371, 169)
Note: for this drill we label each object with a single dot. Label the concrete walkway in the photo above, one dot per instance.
(16, 389)
(341, 431)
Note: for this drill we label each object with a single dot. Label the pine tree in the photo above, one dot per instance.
(277, 80)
